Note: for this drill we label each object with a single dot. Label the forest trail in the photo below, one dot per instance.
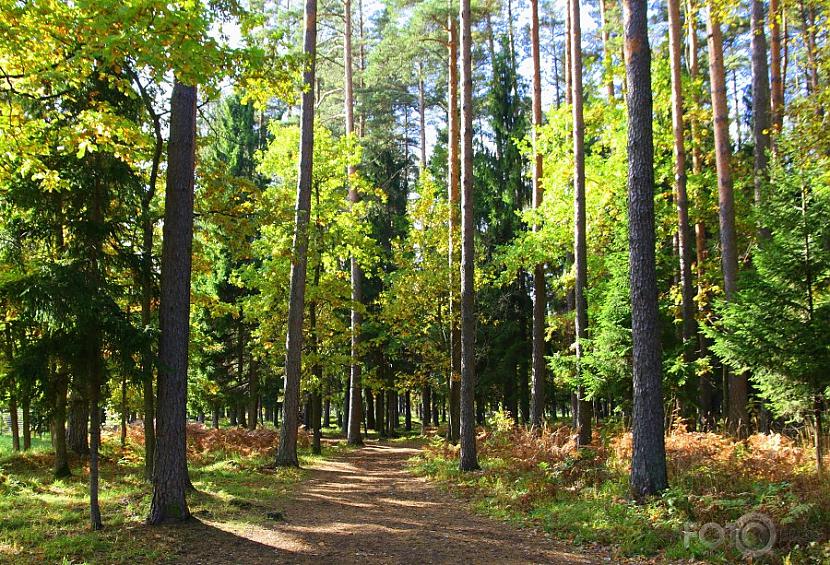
(365, 507)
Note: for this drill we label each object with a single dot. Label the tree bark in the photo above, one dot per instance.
(737, 384)
(580, 244)
(453, 181)
(537, 404)
(683, 229)
(253, 393)
(355, 405)
(760, 107)
(26, 402)
(407, 422)
(818, 408)
(123, 411)
(776, 84)
(469, 459)
(287, 451)
(61, 382)
(606, 52)
(426, 400)
(15, 426)
(422, 122)
(648, 461)
(170, 479)
(78, 432)
(95, 366)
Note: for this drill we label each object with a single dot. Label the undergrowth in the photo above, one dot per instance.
(45, 520)
(582, 496)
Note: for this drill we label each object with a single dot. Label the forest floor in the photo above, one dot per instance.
(364, 506)
(404, 501)
(350, 505)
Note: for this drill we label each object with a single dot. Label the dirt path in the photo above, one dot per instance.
(364, 507)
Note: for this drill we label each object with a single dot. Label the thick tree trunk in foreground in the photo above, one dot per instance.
(469, 459)
(737, 384)
(537, 403)
(170, 479)
(453, 182)
(648, 461)
(287, 452)
(580, 245)
(355, 405)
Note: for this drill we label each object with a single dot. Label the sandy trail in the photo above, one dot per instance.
(364, 507)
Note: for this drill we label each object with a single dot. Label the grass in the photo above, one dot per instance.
(582, 497)
(44, 520)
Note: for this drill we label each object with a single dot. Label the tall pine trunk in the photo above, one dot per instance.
(453, 181)
(355, 405)
(580, 244)
(469, 459)
(537, 404)
(736, 384)
(760, 107)
(287, 452)
(776, 82)
(170, 479)
(648, 461)
(606, 52)
(683, 229)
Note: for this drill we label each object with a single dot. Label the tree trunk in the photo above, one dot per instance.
(253, 393)
(422, 122)
(818, 407)
(537, 404)
(760, 108)
(426, 400)
(215, 418)
(370, 409)
(15, 427)
(316, 417)
(706, 391)
(355, 405)
(469, 459)
(683, 229)
(737, 384)
(123, 411)
(580, 245)
(776, 84)
(26, 402)
(61, 382)
(170, 478)
(648, 461)
(408, 412)
(287, 451)
(146, 280)
(606, 52)
(380, 411)
(78, 433)
(454, 256)
(95, 366)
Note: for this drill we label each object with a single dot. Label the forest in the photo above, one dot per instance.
(410, 281)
